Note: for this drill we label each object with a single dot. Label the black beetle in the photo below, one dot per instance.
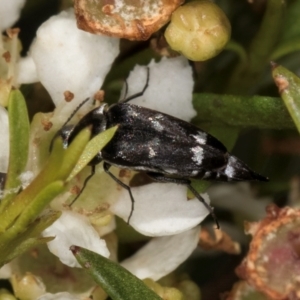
(166, 148)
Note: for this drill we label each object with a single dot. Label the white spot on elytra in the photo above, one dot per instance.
(230, 171)
(151, 152)
(197, 155)
(200, 138)
(156, 124)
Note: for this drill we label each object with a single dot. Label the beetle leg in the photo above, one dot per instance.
(162, 178)
(106, 167)
(93, 168)
(139, 93)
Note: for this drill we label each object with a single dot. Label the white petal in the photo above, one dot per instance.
(170, 87)
(73, 229)
(58, 296)
(160, 209)
(69, 59)
(162, 255)
(4, 149)
(6, 271)
(238, 197)
(9, 12)
(26, 71)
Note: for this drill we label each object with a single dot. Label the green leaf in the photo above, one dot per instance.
(247, 73)
(242, 111)
(60, 164)
(291, 23)
(40, 224)
(19, 143)
(117, 282)
(34, 208)
(14, 242)
(23, 247)
(238, 49)
(290, 32)
(44, 178)
(73, 153)
(92, 148)
(286, 47)
(289, 88)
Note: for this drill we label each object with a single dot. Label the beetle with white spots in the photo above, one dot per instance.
(166, 148)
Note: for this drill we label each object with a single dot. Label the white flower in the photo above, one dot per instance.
(170, 87)
(160, 209)
(73, 229)
(9, 12)
(6, 271)
(162, 255)
(68, 59)
(240, 199)
(64, 58)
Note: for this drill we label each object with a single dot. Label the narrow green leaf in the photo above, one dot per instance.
(40, 224)
(289, 88)
(242, 111)
(60, 164)
(246, 74)
(285, 48)
(14, 242)
(44, 178)
(238, 49)
(290, 32)
(269, 31)
(23, 247)
(92, 148)
(73, 153)
(39, 203)
(291, 23)
(19, 143)
(117, 282)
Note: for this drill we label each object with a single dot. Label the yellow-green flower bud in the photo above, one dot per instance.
(199, 30)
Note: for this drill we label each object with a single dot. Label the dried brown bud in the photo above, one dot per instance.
(129, 19)
(273, 263)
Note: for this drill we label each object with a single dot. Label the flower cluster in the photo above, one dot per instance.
(68, 61)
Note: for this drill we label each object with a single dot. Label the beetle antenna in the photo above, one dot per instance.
(139, 93)
(126, 91)
(75, 111)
